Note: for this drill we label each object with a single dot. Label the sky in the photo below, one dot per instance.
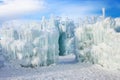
(35, 9)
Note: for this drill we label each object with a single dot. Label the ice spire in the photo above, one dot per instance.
(43, 22)
(103, 12)
(52, 21)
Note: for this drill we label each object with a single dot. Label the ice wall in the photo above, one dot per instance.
(95, 40)
(31, 44)
(37, 43)
(99, 43)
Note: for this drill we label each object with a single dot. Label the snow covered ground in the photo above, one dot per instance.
(66, 69)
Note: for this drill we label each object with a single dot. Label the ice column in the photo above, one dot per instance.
(103, 12)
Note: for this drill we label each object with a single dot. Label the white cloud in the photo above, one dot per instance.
(12, 8)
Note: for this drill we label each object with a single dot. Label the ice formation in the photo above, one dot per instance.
(36, 44)
(99, 43)
(95, 40)
(30, 45)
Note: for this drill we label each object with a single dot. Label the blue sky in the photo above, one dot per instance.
(35, 9)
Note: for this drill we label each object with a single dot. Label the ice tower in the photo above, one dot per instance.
(103, 12)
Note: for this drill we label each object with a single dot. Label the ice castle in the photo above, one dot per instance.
(29, 44)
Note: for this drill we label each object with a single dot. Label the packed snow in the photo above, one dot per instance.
(66, 69)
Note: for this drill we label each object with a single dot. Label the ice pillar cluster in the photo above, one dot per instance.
(99, 43)
(31, 44)
(95, 40)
